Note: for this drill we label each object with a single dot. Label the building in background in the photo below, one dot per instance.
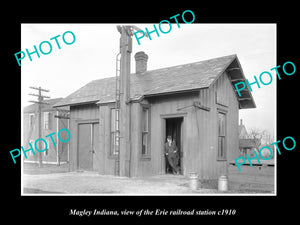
(50, 123)
(247, 145)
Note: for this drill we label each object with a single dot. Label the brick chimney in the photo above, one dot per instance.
(140, 62)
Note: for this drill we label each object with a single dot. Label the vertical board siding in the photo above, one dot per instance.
(102, 139)
(79, 113)
(161, 107)
(228, 102)
(200, 143)
(108, 162)
(109, 168)
(85, 112)
(207, 134)
(199, 131)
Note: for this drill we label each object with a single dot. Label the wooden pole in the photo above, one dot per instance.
(40, 124)
(125, 49)
(57, 144)
(40, 100)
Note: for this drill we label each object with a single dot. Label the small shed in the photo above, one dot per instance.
(248, 146)
(195, 103)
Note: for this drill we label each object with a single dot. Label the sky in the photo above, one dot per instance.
(92, 56)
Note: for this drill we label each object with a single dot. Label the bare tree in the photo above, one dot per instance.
(262, 137)
(268, 137)
(257, 134)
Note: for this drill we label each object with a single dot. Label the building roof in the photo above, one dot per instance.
(241, 128)
(249, 143)
(182, 78)
(45, 107)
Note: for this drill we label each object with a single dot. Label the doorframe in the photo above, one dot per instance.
(79, 122)
(163, 118)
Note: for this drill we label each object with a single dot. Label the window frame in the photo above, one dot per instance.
(222, 135)
(31, 120)
(145, 132)
(46, 120)
(46, 152)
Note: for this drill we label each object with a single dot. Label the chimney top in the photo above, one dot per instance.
(141, 59)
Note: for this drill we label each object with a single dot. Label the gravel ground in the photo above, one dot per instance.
(51, 179)
(93, 183)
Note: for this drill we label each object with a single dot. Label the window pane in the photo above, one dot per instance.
(112, 119)
(44, 146)
(145, 119)
(221, 123)
(112, 143)
(117, 118)
(221, 147)
(144, 143)
(31, 120)
(221, 135)
(145, 149)
(32, 144)
(46, 120)
(114, 140)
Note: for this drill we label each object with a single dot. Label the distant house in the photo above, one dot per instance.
(50, 124)
(246, 145)
(195, 103)
(254, 174)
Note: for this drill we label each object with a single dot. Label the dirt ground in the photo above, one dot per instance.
(51, 179)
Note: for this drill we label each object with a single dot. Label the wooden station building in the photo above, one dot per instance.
(195, 103)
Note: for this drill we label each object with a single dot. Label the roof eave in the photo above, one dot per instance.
(251, 103)
(174, 92)
(75, 104)
(246, 101)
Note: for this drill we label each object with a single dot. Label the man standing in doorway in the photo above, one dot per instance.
(171, 152)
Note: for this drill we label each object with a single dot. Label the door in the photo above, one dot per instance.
(174, 129)
(88, 143)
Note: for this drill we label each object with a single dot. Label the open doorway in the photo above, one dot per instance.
(173, 129)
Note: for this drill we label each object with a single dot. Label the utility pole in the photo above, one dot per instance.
(39, 102)
(123, 137)
(124, 141)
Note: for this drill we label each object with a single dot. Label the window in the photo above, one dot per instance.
(114, 140)
(43, 147)
(47, 120)
(31, 120)
(30, 152)
(221, 136)
(145, 132)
